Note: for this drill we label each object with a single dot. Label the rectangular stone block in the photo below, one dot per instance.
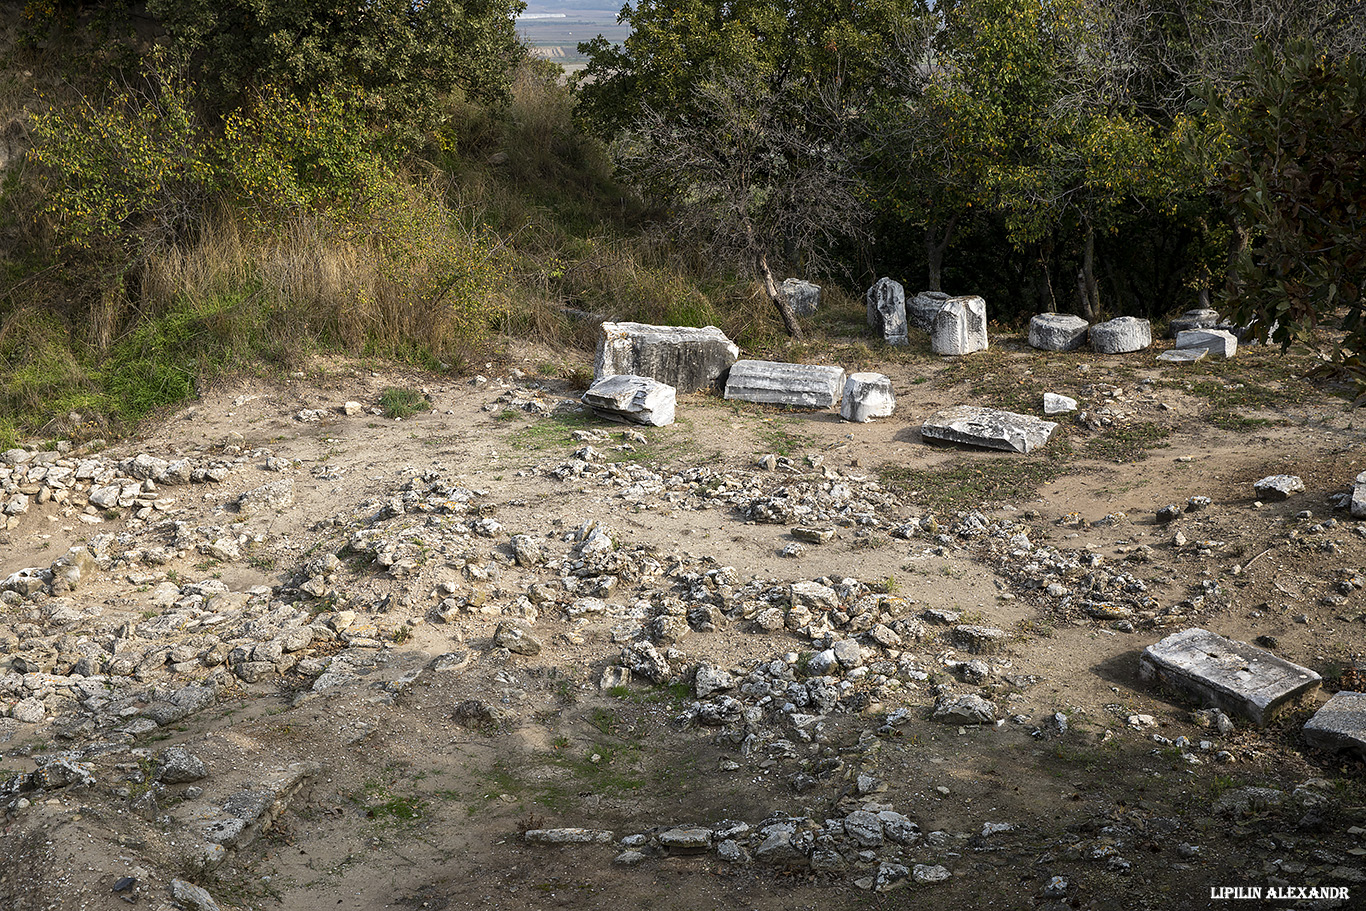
(686, 358)
(1224, 673)
(632, 399)
(988, 427)
(1216, 341)
(773, 383)
(1340, 724)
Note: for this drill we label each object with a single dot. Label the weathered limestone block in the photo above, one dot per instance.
(632, 399)
(1340, 724)
(960, 326)
(802, 296)
(1057, 331)
(688, 359)
(988, 427)
(922, 309)
(1121, 335)
(769, 382)
(1194, 319)
(867, 396)
(886, 305)
(1223, 673)
(1358, 504)
(1216, 341)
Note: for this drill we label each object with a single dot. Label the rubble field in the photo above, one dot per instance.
(279, 652)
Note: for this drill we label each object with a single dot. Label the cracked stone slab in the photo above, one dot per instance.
(988, 428)
(1234, 676)
(1340, 724)
(632, 399)
(774, 383)
(688, 359)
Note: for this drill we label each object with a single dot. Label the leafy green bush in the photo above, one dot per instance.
(1295, 171)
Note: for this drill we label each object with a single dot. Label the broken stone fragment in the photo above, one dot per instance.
(688, 359)
(1121, 335)
(988, 428)
(1358, 502)
(177, 765)
(1216, 341)
(960, 327)
(922, 309)
(1058, 404)
(1278, 487)
(867, 396)
(515, 636)
(886, 306)
(1183, 355)
(1057, 332)
(1194, 319)
(1237, 677)
(967, 709)
(276, 495)
(813, 535)
(1340, 724)
(633, 399)
(569, 836)
(772, 383)
(802, 296)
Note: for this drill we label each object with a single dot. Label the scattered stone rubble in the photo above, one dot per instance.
(325, 635)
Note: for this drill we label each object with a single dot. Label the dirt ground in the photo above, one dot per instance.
(415, 807)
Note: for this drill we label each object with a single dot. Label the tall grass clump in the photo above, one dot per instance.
(174, 250)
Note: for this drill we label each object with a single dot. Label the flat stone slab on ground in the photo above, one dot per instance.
(988, 427)
(1183, 355)
(867, 396)
(633, 399)
(1216, 341)
(1234, 676)
(773, 383)
(1057, 331)
(686, 358)
(1121, 335)
(1340, 724)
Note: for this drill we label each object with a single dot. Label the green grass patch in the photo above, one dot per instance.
(1127, 443)
(400, 402)
(970, 483)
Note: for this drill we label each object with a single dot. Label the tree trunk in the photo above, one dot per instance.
(765, 274)
(1086, 278)
(1237, 243)
(793, 327)
(935, 248)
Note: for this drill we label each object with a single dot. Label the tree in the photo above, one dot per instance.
(1295, 171)
(1043, 130)
(742, 180)
(406, 54)
(741, 118)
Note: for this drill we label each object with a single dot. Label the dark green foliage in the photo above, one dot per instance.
(405, 56)
(1296, 174)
